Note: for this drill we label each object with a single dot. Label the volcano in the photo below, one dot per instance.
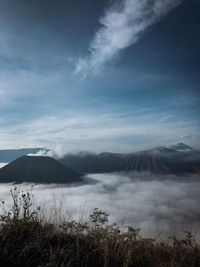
(38, 169)
(160, 160)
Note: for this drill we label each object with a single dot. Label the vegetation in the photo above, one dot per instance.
(27, 240)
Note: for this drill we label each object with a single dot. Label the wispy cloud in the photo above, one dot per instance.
(166, 118)
(190, 136)
(18, 84)
(68, 132)
(121, 26)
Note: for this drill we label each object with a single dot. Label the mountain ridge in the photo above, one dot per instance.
(159, 160)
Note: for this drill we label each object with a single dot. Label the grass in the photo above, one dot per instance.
(27, 240)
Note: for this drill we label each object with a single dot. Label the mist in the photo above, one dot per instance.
(166, 204)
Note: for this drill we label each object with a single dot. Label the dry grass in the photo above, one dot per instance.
(27, 240)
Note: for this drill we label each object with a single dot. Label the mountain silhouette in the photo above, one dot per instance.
(160, 160)
(181, 147)
(38, 169)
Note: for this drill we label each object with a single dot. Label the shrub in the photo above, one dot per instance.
(26, 240)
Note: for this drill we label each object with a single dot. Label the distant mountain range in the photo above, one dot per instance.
(160, 160)
(38, 169)
(12, 154)
(178, 159)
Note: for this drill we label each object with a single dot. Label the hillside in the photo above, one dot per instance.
(28, 240)
(37, 170)
(160, 160)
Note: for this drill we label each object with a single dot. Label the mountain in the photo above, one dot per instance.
(12, 154)
(37, 169)
(160, 160)
(181, 147)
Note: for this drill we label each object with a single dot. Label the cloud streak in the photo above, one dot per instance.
(115, 132)
(93, 132)
(121, 26)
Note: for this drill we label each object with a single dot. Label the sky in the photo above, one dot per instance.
(103, 75)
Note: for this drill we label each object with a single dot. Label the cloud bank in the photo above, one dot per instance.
(121, 26)
(154, 203)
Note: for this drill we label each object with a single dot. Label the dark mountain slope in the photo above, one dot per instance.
(37, 170)
(160, 160)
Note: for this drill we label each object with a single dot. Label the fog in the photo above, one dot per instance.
(166, 204)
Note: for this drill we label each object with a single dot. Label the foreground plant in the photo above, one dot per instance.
(26, 240)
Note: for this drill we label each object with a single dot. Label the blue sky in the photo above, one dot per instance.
(93, 75)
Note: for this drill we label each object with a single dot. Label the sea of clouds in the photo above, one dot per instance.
(166, 204)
